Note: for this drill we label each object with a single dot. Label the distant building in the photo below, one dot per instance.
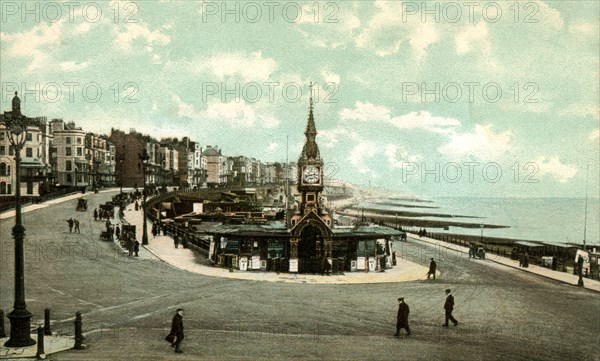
(33, 167)
(68, 150)
(217, 166)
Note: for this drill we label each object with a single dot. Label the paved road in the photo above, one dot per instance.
(127, 304)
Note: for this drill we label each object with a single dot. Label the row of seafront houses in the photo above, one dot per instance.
(60, 155)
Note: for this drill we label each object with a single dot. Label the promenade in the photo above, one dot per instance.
(563, 277)
(127, 304)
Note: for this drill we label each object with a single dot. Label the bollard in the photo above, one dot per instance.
(78, 334)
(47, 330)
(2, 332)
(40, 355)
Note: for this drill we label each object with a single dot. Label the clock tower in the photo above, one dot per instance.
(310, 167)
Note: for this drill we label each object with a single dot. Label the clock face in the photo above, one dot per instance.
(311, 175)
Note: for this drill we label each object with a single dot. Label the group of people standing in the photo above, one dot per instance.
(73, 223)
(404, 311)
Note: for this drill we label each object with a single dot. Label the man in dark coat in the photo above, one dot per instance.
(449, 306)
(70, 222)
(402, 318)
(432, 267)
(176, 334)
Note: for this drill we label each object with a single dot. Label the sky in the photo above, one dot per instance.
(431, 98)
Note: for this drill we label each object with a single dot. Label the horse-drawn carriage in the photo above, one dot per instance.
(81, 205)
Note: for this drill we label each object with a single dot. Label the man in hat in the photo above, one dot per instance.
(432, 267)
(402, 318)
(176, 334)
(449, 306)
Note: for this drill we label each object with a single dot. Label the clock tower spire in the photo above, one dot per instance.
(310, 165)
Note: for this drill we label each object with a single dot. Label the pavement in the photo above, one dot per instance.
(564, 277)
(162, 247)
(52, 345)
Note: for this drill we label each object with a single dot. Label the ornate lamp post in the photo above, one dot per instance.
(20, 317)
(144, 157)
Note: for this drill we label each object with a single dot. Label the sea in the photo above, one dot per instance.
(550, 220)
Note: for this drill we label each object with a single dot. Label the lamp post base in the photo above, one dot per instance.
(20, 324)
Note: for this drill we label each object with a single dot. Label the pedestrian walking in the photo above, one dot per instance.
(176, 335)
(402, 317)
(154, 230)
(449, 307)
(136, 247)
(176, 240)
(130, 241)
(432, 267)
(118, 232)
(76, 222)
(95, 214)
(137, 206)
(70, 222)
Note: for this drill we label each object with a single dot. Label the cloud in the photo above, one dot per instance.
(130, 32)
(361, 154)
(249, 67)
(272, 147)
(594, 135)
(35, 44)
(581, 110)
(329, 76)
(72, 66)
(553, 167)
(235, 114)
(385, 32)
(473, 38)
(397, 156)
(368, 112)
(483, 143)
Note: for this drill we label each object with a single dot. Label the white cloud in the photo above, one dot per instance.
(472, 39)
(130, 32)
(36, 44)
(594, 135)
(483, 143)
(329, 76)
(235, 114)
(361, 154)
(584, 29)
(272, 147)
(72, 66)
(368, 112)
(385, 32)
(397, 155)
(249, 67)
(581, 110)
(553, 167)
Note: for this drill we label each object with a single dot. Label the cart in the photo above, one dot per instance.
(81, 205)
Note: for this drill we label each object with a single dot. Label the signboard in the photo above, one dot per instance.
(352, 266)
(371, 264)
(243, 263)
(255, 262)
(360, 263)
(294, 265)
(198, 208)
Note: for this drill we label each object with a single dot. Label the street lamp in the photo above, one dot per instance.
(144, 157)
(20, 317)
(121, 160)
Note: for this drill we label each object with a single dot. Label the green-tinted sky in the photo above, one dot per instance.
(371, 61)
